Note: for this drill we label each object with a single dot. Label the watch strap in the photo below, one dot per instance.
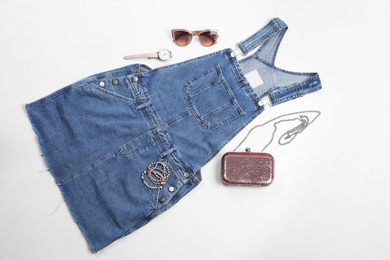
(144, 55)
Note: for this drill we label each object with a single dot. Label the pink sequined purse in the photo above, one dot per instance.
(257, 168)
(247, 169)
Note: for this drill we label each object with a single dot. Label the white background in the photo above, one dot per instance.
(331, 195)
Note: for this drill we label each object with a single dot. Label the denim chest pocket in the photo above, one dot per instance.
(210, 99)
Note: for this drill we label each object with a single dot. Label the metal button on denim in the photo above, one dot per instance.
(171, 189)
(114, 82)
(102, 84)
(186, 174)
(135, 79)
(162, 199)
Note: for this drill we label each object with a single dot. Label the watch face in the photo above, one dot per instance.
(164, 54)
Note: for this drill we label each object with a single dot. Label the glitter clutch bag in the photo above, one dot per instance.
(247, 169)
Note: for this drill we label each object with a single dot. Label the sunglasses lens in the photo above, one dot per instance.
(182, 38)
(208, 38)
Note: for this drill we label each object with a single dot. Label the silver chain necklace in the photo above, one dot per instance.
(289, 135)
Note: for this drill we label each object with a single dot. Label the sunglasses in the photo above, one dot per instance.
(206, 37)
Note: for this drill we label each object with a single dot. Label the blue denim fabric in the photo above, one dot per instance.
(100, 135)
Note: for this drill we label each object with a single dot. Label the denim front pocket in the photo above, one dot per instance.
(114, 88)
(107, 197)
(210, 99)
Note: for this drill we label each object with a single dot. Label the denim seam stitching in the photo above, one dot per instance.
(292, 95)
(88, 167)
(138, 149)
(285, 71)
(112, 94)
(178, 119)
(215, 68)
(203, 88)
(217, 110)
(175, 168)
(284, 89)
(214, 126)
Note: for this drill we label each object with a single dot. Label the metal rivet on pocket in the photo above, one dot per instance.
(171, 189)
(102, 84)
(135, 79)
(114, 82)
(186, 174)
(162, 199)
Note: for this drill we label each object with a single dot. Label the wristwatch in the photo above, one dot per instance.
(162, 55)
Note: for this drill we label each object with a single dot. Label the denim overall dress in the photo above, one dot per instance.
(125, 145)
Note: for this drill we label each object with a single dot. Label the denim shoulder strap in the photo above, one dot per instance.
(268, 38)
(279, 85)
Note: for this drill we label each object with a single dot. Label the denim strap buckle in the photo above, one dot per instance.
(266, 100)
(298, 89)
(272, 29)
(237, 51)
